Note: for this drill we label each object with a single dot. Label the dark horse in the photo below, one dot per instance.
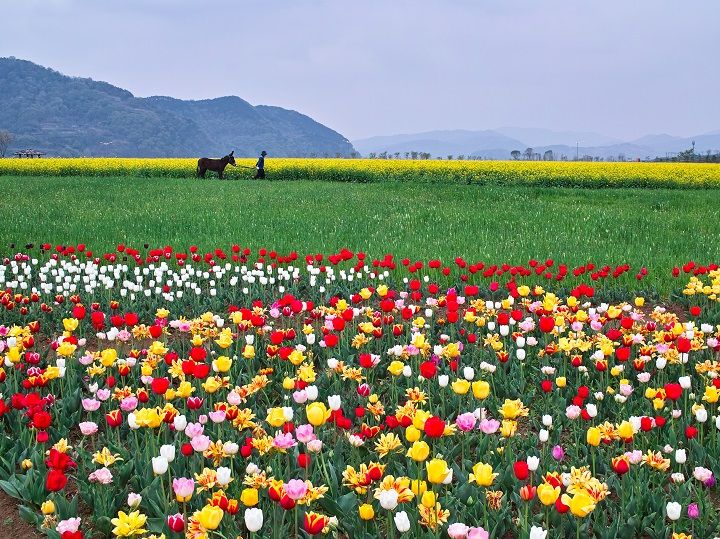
(215, 165)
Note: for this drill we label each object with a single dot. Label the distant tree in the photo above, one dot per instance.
(338, 155)
(460, 157)
(397, 155)
(621, 157)
(5, 140)
(548, 156)
(372, 155)
(515, 154)
(383, 155)
(413, 155)
(425, 155)
(450, 157)
(407, 155)
(528, 153)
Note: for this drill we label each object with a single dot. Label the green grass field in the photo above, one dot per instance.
(657, 228)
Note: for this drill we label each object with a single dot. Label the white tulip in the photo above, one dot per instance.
(180, 422)
(537, 532)
(402, 522)
(443, 380)
(253, 519)
(389, 499)
(223, 476)
(680, 456)
(312, 392)
(533, 463)
(674, 510)
(334, 402)
(168, 451)
(159, 465)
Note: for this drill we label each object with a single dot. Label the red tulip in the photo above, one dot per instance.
(521, 470)
(55, 480)
(434, 427)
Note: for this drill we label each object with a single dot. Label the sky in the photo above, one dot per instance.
(377, 67)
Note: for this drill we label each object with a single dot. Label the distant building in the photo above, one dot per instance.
(30, 154)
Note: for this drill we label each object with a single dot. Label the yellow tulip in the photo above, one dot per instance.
(209, 517)
(222, 364)
(276, 417)
(317, 413)
(366, 511)
(548, 494)
(428, 499)
(711, 394)
(625, 430)
(437, 471)
(461, 386)
(419, 451)
(396, 368)
(419, 419)
(581, 504)
(480, 389)
(593, 436)
(249, 497)
(70, 324)
(47, 507)
(412, 434)
(482, 474)
(508, 428)
(418, 487)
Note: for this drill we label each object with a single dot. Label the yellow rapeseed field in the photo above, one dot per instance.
(544, 173)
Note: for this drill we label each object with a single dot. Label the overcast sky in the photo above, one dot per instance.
(622, 68)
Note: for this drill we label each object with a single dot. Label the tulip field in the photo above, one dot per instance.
(222, 360)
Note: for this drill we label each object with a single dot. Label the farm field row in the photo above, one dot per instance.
(536, 173)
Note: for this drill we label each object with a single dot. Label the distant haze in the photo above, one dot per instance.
(623, 69)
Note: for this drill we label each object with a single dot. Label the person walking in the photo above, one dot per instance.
(260, 166)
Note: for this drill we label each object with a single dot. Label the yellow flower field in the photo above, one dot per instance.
(572, 174)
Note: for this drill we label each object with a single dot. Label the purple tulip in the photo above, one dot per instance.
(558, 452)
(693, 511)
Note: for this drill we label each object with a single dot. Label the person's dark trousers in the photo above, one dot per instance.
(260, 174)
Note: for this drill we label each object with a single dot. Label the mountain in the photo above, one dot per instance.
(498, 143)
(439, 143)
(70, 116)
(538, 137)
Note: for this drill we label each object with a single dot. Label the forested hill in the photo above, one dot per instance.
(70, 116)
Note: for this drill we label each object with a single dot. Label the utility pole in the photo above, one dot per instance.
(577, 151)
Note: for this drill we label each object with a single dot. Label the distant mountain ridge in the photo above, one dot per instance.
(70, 116)
(498, 143)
